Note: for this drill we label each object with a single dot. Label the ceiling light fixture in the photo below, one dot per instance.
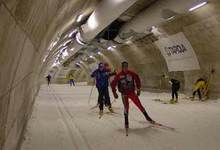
(92, 21)
(171, 18)
(114, 46)
(63, 48)
(65, 53)
(78, 39)
(110, 48)
(72, 49)
(71, 33)
(79, 18)
(67, 42)
(198, 6)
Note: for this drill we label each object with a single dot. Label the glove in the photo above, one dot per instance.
(115, 95)
(138, 92)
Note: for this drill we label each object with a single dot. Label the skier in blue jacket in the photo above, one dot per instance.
(101, 76)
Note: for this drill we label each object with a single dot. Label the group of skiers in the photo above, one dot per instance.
(128, 84)
(71, 80)
(200, 87)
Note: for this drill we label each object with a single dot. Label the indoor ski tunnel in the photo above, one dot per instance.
(50, 48)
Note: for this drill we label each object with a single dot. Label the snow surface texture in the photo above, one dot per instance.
(62, 120)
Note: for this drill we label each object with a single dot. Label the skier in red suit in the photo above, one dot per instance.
(128, 82)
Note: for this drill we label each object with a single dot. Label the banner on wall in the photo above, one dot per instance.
(178, 53)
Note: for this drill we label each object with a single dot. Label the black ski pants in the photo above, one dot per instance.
(199, 93)
(174, 93)
(103, 98)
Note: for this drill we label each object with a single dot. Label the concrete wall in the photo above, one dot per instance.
(26, 29)
(201, 28)
(28, 26)
(18, 61)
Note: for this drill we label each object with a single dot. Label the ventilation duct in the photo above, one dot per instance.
(157, 13)
(111, 31)
(97, 22)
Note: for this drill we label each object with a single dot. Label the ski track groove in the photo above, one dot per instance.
(64, 118)
(191, 118)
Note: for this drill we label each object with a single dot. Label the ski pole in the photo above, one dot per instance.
(90, 95)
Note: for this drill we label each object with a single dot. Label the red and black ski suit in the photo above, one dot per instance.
(127, 83)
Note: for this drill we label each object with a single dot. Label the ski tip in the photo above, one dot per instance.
(164, 126)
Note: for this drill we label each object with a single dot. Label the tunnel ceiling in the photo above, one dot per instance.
(135, 9)
(40, 36)
(64, 50)
(66, 39)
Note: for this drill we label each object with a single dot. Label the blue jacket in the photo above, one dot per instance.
(101, 78)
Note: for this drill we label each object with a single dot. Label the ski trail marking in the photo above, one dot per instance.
(75, 133)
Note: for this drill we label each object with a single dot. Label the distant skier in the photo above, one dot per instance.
(175, 88)
(48, 79)
(128, 82)
(198, 87)
(102, 76)
(71, 80)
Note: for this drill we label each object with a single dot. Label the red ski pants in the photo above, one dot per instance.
(135, 100)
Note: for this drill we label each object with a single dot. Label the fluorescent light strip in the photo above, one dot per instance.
(78, 39)
(68, 41)
(171, 18)
(65, 53)
(71, 33)
(79, 18)
(198, 6)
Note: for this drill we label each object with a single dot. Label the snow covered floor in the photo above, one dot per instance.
(62, 120)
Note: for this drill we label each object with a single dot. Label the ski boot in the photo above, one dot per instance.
(100, 114)
(172, 101)
(110, 110)
(176, 101)
(192, 98)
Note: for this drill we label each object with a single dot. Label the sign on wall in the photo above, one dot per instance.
(178, 53)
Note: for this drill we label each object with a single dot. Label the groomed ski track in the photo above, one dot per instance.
(62, 120)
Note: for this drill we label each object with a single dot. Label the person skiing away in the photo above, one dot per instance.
(128, 82)
(48, 79)
(101, 76)
(199, 85)
(71, 80)
(175, 88)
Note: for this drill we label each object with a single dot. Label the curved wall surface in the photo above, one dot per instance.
(27, 28)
